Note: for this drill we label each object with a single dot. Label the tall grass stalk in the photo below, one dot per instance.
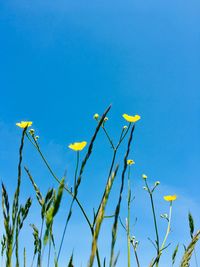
(101, 217)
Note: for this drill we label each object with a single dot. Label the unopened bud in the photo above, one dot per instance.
(96, 116)
(31, 131)
(165, 215)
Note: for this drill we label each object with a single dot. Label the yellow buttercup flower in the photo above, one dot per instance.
(130, 162)
(131, 118)
(24, 124)
(170, 198)
(78, 146)
(144, 176)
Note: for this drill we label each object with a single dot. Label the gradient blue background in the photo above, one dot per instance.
(61, 62)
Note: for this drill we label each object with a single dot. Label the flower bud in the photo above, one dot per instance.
(144, 176)
(96, 116)
(31, 131)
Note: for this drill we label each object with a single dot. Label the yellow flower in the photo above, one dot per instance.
(144, 176)
(78, 146)
(170, 198)
(96, 116)
(131, 118)
(24, 124)
(130, 162)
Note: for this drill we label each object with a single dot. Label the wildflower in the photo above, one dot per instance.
(125, 127)
(78, 146)
(105, 119)
(96, 116)
(157, 183)
(130, 162)
(131, 118)
(24, 124)
(144, 176)
(170, 198)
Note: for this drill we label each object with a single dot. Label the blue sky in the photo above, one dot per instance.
(63, 61)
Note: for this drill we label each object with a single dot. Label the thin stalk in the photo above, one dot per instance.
(33, 260)
(155, 222)
(128, 221)
(24, 257)
(123, 135)
(168, 227)
(39, 254)
(136, 257)
(76, 170)
(49, 253)
(109, 139)
(75, 183)
(166, 235)
(154, 219)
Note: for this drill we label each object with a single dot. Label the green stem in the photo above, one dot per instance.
(65, 228)
(39, 253)
(24, 257)
(166, 235)
(109, 139)
(155, 222)
(123, 135)
(76, 170)
(128, 221)
(168, 227)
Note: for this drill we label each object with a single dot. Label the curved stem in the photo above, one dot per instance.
(168, 227)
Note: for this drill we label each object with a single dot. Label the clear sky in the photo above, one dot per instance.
(62, 61)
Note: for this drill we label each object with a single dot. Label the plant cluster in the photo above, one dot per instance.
(49, 203)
